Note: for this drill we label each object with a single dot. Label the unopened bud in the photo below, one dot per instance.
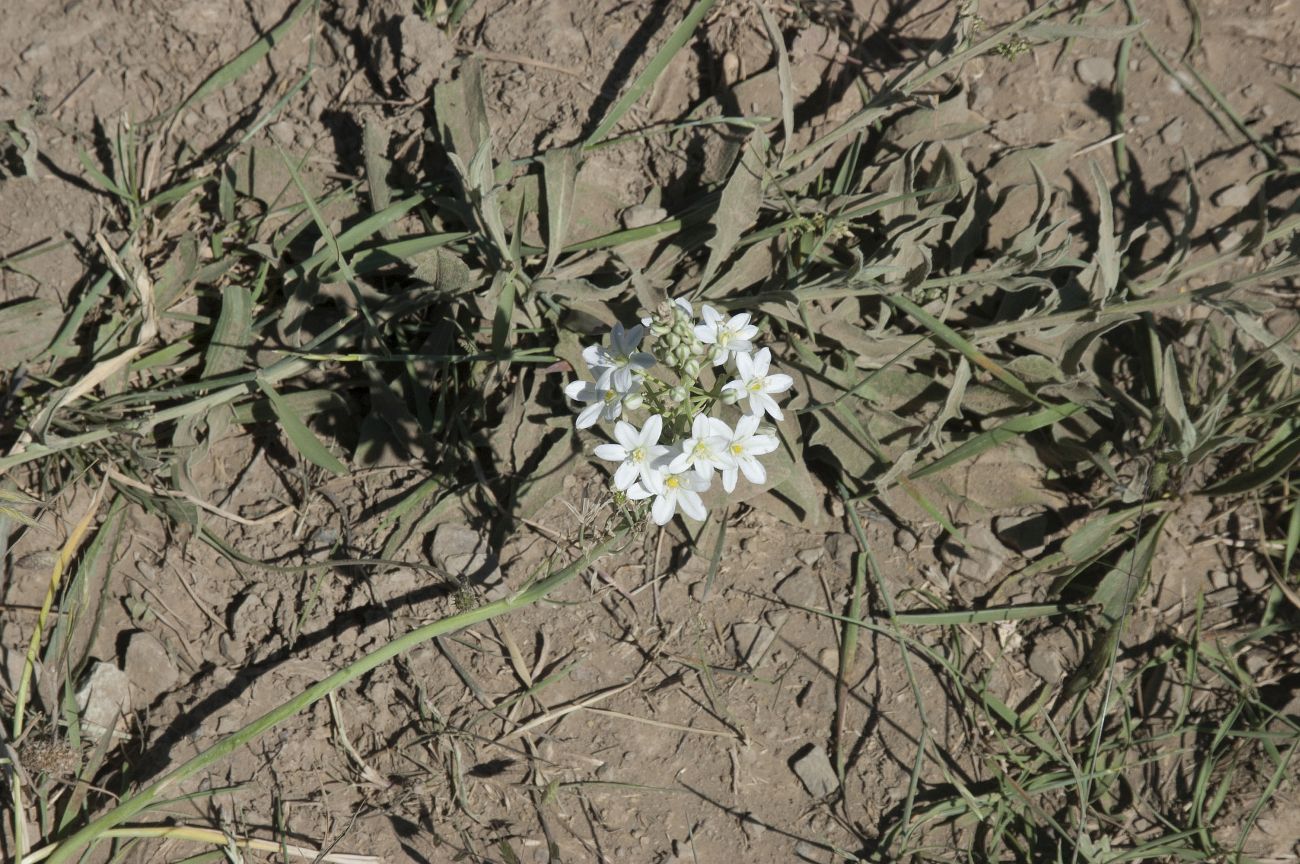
(717, 355)
(691, 368)
(680, 393)
(731, 397)
(684, 331)
(681, 354)
(659, 328)
(670, 342)
(633, 402)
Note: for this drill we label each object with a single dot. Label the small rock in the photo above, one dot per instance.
(460, 551)
(810, 556)
(1045, 662)
(1025, 534)
(1172, 134)
(12, 661)
(641, 215)
(828, 658)
(1219, 580)
(1236, 196)
(104, 697)
(904, 539)
(814, 770)
(1096, 71)
(841, 548)
(1225, 240)
(149, 667)
(1254, 578)
(752, 642)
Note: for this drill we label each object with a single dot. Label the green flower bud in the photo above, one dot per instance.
(731, 397)
(633, 402)
(671, 343)
(691, 368)
(680, 393)
(716, 354)
(681, 354)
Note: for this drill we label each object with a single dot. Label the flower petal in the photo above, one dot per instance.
(745, 366)
(637, 492)
(710, 315)
(610, 452)
(729, 479)
(778, 382)
(762, 359)
(754, 471)
(580, 391)
(651, 431)
(625, 433)
(745, 427)
(626, 475)
(663, 509)
(692, 505)
(588, 416)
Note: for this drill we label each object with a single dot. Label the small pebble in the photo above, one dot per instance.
(1236, 196)
(829, 658)
(905, 540)
(1096, 71)
(810, 556)
(1172, 134)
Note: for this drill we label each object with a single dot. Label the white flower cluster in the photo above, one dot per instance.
(713, 363)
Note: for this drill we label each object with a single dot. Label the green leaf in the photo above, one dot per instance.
(1261, 474)
(232, 334)
(652, 71)
(26, 328)
(739, 203)
(302, 438)
(559, 173)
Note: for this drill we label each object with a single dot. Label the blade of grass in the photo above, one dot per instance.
(679, 37)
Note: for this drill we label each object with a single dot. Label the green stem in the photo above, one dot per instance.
(68, 849)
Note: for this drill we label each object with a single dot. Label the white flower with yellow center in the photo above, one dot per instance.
(727, 335)
(706, 449)
(745, 446)
(672, 491)
(758, 384)
(620, 365)
(603, 403)
(636, 451)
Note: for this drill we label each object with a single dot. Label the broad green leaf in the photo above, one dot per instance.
(232, 334)
(302, 438)
(739, 204)
(560, 174)
(26, 328)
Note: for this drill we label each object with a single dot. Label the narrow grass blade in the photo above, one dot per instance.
(245, 60)
(303, 438)
(651, 73)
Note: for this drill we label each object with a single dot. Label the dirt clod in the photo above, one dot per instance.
(104, 697)
(149, 667)
(814, 769)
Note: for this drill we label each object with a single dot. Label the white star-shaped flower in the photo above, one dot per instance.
(745, 447)
(604, 403)
(706, 449)
(758, 385)
(672, 491)
(636, 451)
(731, 334)
(619, 365)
